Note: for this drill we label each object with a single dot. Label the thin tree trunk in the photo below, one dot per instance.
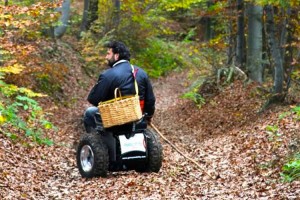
(283, 37)
(275, 50)
(84, 20)
(230, 39)
(208, 25)
(288, 56)
(240, 41)
(93, 12)
(116, 13)
(90, 14)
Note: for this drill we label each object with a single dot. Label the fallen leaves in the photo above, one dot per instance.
(233, 147)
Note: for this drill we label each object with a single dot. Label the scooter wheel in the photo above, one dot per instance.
(155, 154)
(92, 156)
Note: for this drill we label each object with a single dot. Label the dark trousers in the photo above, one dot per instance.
(92, 121)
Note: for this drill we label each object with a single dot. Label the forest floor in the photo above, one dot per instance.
(226, 136)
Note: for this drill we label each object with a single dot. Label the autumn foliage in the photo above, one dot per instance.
(23, 41)
(215, 120)
(23, 68)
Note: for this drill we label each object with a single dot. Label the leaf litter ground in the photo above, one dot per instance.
(227, 137)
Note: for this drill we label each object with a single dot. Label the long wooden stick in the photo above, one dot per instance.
(174, 147)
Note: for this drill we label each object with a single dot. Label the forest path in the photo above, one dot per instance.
(226, 137)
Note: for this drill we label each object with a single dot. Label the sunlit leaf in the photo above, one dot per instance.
(15, 69)
(2, 119)
(30, 93)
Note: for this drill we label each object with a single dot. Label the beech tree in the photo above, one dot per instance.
(254, 42)
(65, 10)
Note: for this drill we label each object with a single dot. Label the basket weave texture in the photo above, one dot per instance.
(120, 110)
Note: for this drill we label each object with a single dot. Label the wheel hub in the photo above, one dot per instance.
(86, 158)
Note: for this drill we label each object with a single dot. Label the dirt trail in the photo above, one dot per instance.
(226, 137)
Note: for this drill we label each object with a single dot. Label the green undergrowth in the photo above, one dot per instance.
(21, 116)
(291, 169)
(160, 57)
(193, 93)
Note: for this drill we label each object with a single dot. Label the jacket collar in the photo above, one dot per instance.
(120, 61)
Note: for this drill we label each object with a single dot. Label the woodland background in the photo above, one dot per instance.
(223, 64)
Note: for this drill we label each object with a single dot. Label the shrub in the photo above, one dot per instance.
(19, 112)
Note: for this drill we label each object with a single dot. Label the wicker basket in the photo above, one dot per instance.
(120, 110)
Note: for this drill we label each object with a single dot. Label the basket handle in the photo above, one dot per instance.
(117, 91)
(135, 82)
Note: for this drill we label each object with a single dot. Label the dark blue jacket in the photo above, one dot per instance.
(120, 76)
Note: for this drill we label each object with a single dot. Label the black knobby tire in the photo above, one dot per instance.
(92, 156)
(155, 153)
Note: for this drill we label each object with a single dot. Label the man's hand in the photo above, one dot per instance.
(149, 119)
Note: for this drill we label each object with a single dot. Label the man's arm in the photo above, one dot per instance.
(149, 98)
(98, 92)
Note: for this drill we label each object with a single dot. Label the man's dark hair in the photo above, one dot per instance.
(120, 48)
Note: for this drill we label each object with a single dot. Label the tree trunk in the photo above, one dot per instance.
(285, 50)
(240, 40)
(283, 38)
(254, 53)
(275, 50)
(64, 19)
(84, 20)
(288, 51)
(208, 25)
(230, 39)
(90, 14)
(116, 13)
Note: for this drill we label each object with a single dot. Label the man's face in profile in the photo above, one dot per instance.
(111, 57)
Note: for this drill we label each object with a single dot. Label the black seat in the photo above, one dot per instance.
(129, 127)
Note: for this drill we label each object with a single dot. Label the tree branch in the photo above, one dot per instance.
(180, 152)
